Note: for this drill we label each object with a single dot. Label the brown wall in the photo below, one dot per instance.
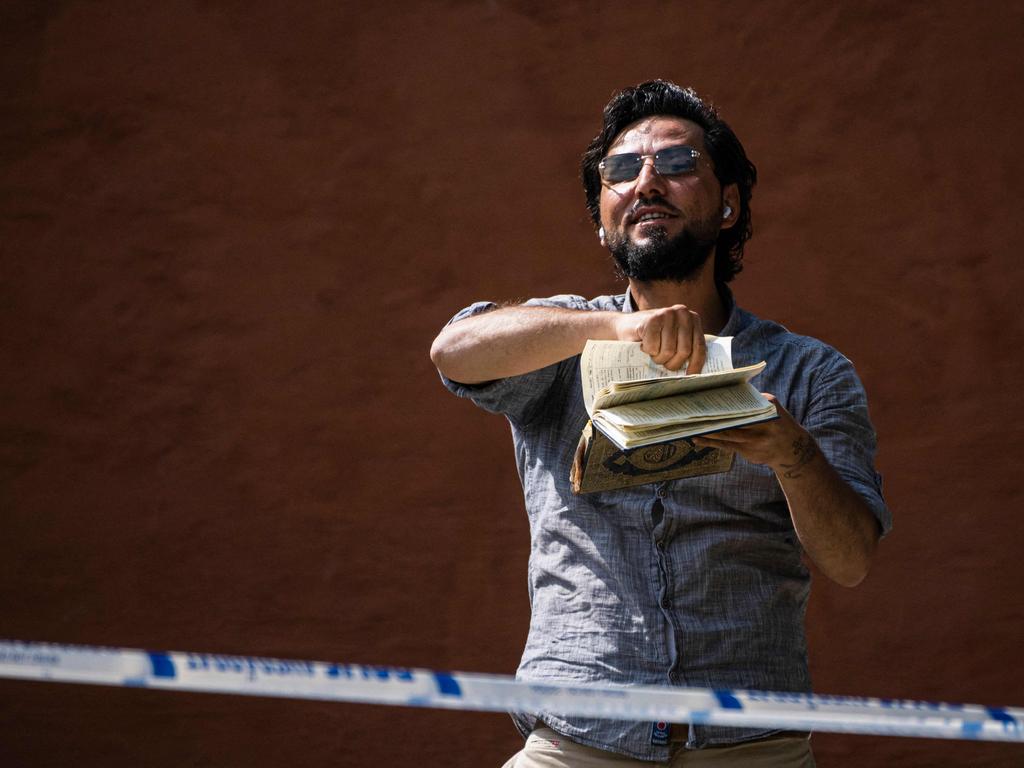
(230, 230)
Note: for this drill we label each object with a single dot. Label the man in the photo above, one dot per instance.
(696, 581)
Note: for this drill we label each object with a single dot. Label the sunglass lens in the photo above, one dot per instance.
(615, 168)
(675, 160)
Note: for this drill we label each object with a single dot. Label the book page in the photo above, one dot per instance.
(619, 394)
(722, 402)
(606, 362)
(639, 437)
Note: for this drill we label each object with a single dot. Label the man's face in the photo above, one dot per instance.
(662, 227)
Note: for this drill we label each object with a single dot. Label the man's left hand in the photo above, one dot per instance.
(781, 444)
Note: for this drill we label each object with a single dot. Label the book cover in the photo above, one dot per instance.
(600, 465)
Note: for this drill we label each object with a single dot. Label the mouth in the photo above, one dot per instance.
(648, 214)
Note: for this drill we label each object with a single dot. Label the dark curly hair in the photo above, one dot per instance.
(660, 97)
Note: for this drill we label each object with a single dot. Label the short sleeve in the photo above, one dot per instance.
(837, 418)
(522, 397)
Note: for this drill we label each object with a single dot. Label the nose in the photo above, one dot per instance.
(649, 182)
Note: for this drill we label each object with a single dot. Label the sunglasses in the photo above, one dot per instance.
(670, 161)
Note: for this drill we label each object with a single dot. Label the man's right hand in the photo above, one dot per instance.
(672, 336)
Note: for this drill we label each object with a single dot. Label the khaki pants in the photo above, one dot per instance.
(547, 749)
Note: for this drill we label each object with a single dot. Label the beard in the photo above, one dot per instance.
(660, 257)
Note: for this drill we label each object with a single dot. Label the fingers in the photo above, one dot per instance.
(783, 414)
(699, 347)
(727, 437)
(768, 443)
(649, 334)
(670, 347)
(674, 336)
(658, 337)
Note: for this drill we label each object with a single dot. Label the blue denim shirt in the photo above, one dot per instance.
(696, 581)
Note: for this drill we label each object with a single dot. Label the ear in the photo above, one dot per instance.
(600, 236)
(730, 206)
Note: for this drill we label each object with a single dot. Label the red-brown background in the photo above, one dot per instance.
(230, 230)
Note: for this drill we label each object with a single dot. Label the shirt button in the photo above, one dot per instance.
(666, 603)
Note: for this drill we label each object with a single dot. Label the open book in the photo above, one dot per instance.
(634, 401)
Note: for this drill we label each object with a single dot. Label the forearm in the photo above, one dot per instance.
(834, 524)
(513, 340)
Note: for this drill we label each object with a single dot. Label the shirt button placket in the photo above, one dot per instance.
(660, 492)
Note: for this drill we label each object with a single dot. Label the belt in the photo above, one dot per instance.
(681, 733)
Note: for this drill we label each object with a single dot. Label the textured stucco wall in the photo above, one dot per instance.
(229, 231)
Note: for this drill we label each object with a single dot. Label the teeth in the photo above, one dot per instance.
(649, 216)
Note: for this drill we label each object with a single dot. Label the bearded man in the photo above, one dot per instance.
(697, 581)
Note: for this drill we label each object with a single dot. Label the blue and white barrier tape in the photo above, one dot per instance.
(498, 693)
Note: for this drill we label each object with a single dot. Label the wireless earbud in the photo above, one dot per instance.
(727, 212)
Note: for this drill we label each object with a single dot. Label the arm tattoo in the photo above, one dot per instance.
(804, 449)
